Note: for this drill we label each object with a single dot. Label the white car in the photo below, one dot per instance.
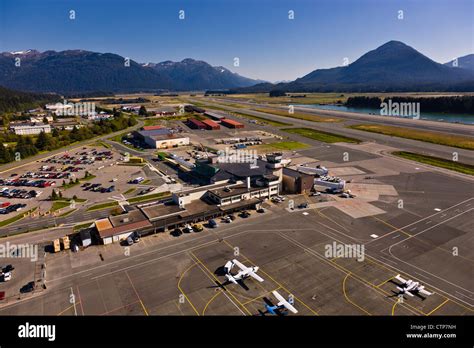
(7, 276)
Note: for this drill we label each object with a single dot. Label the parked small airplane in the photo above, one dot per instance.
(411, 287)
(281, 307)
(244, 272)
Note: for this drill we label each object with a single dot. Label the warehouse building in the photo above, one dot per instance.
(162, 138)
(231, 123)
(215, 115)
(151, 127)
(195, 124)
(211, 125)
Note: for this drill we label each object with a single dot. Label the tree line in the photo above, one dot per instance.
(451, 104)
(26, 146)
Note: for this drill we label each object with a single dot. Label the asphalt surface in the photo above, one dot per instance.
(442, 151)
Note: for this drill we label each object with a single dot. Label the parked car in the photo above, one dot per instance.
(8, 268)
(213, 223)
(197, 227)
(177, 232)
(261, 210)
(28, 287)
(7, 276)
(303, 206)
(245, 214)
(136, 237)
(129, 241)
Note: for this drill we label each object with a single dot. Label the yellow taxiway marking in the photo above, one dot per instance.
(348, 299)
(184, 294)
(213, 276)
(385, 281)
(442, 304)
(68, 308)
(393, 307)
(136, 293)
(209, 302)
(269, 276)
(346, 271)
(258, 297)
(396, 229)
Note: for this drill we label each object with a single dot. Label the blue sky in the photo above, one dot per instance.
(258, 32)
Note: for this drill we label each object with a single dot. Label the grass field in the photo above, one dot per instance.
(102, 206)
(320, 98)
(325, 137)
(280, 146)
(81, 226)
(262, 119)
(437, 162)
(309, 98)
(458, 141)
(298, 115)
(60, 205)
(151, 197)
(130, 190)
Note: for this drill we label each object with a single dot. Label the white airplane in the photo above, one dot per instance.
(244, 272)
(275, 309)
(409, 287)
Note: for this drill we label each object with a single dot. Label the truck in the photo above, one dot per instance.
(65, 242)
(56, 245)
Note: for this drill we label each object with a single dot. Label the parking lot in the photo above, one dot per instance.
(88, 173)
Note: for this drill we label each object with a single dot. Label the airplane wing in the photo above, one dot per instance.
(239, 264)
(424, 292)
(256, 276)
(283, 302)
(400, 278)
(228, 266)
(231, 279)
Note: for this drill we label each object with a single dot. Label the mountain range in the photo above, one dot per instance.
(465, 62)
(79, 71)
(392, 67)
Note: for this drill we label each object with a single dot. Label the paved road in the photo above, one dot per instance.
(444, 127)
(465, 156)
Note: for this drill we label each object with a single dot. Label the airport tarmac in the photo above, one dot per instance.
(180, 276)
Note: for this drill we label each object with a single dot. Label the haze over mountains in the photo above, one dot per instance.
(78, 71)
(464, 62)
(391, 67)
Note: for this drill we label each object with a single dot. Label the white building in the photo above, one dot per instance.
(30, 128)
(40, 118)
(162, 138)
